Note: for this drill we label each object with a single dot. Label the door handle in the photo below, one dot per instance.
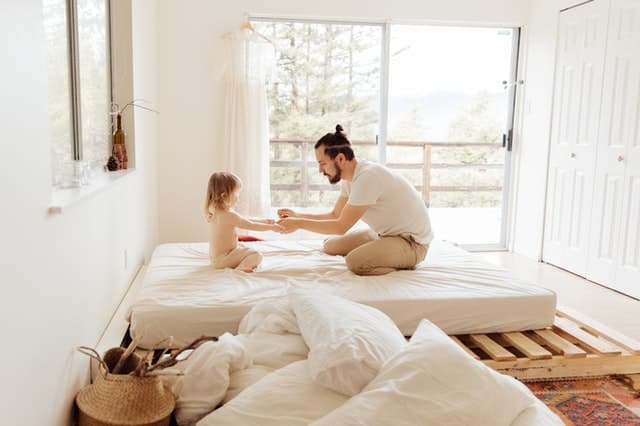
(507, 140)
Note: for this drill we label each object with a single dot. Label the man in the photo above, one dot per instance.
(400, 228)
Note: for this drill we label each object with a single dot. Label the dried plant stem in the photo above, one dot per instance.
(121, 362)
(145, 367)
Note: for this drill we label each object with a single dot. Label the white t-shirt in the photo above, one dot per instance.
(395, 207)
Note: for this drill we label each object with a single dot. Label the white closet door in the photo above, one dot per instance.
(576, 107)
(615, 258)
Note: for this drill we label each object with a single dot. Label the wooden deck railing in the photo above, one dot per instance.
(307, 163)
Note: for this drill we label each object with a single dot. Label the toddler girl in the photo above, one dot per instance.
(225, 252)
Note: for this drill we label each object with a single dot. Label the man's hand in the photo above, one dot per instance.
(288, 225)
(277, 228)
(282, 213)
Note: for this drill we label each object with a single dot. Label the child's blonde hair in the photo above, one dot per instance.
(221, 186)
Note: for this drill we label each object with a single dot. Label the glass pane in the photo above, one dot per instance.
(447, 98)
(326, 198)
(55, 26)
(325, 74)
(285, 176)
(95, 90)
(365, 151)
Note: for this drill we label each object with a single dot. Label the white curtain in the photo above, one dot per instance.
(243, 133)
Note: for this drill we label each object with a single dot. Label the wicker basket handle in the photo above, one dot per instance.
(90, 352)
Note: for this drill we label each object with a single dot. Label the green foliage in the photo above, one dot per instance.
(328, 74)
(325, 74)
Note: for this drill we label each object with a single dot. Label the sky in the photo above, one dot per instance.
(448, 58)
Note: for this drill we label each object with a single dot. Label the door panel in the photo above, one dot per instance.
(578, 91)
(613, 257)
(628, 273)
(447, 115)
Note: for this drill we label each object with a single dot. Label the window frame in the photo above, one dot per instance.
(382, 138)
(75, 89)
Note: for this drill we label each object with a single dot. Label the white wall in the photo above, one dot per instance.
(190, 58)
(532, 148)
(62, 274)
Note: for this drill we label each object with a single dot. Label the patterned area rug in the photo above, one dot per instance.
(603, 401)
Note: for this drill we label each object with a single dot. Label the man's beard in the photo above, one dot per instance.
(336, 178)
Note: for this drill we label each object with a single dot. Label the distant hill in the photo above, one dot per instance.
(436, 111)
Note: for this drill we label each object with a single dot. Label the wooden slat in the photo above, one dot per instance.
(463, 346)
(581, 348)
(494, 350)
(593, 326)
(527, 346)
(559, 366)
(558, 344)
(595, 344)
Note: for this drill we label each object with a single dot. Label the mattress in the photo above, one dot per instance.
(184, 297)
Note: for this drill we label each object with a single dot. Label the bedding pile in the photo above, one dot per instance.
(313, 358)
(183, 297)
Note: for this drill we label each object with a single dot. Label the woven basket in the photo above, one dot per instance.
(124, 400)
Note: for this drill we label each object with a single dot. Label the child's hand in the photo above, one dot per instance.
(282, 213)
(288, 225)
(277, 228)
(269, 221)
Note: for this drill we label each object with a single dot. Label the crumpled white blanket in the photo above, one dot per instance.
(216, 372)
(269, 339)
(200, 382)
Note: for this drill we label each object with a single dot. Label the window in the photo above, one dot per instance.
(434, 103)
(78, 62)
(326, 73)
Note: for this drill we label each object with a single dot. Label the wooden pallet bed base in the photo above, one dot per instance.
(575, 346)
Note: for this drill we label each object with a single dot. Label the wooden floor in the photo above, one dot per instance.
(613, 309)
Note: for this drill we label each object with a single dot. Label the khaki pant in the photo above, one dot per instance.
(368, 254)
(236, 257)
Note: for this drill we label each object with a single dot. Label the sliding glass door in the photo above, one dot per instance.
(433, 102)
(450, 103)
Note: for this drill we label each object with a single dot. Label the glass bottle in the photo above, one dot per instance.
(119, 147)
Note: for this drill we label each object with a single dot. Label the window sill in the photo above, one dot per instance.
(65, 197)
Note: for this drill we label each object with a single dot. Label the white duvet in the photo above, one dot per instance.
(262, 377)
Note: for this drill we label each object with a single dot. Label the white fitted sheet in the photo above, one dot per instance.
(184, 297)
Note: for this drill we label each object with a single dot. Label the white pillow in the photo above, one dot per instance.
(285, 397)
(274, 350)
(348, 342)
(270, 316)
(537, 414)
(433, 381)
